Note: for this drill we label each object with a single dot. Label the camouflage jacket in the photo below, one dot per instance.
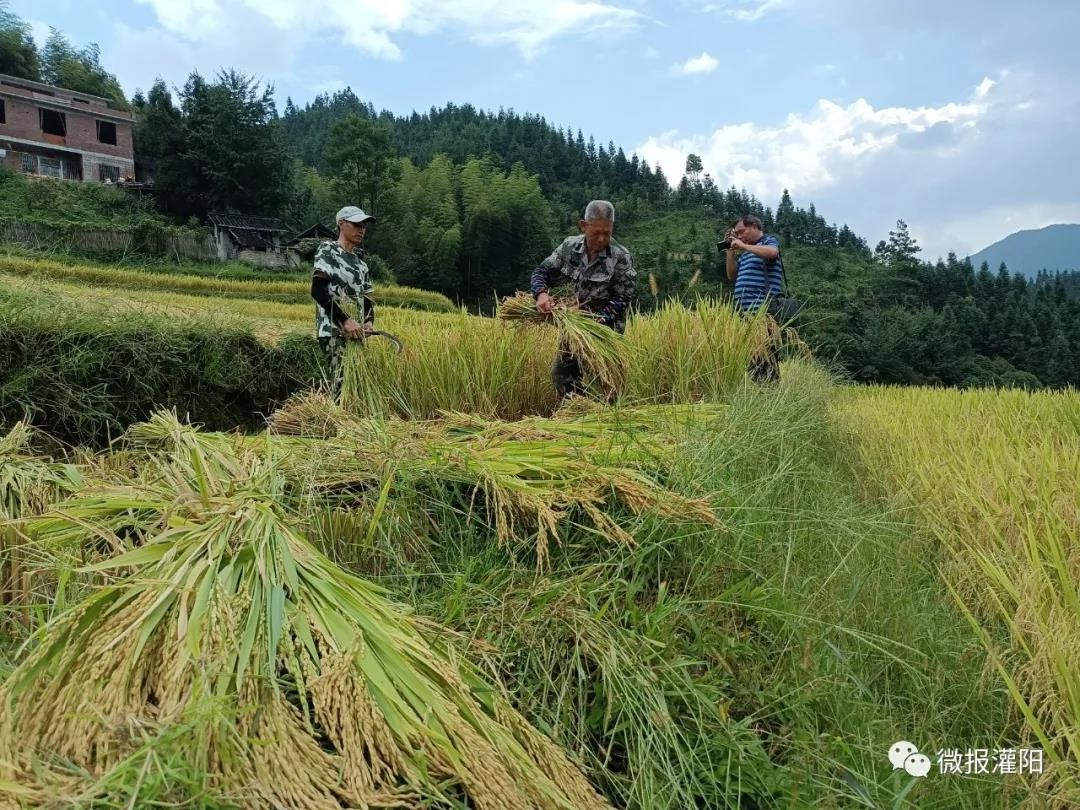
(350, 283)
(605, 287)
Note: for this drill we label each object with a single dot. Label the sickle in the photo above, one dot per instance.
(397, 342)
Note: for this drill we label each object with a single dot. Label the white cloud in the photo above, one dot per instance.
(374, 26)
(815, 150)
(744, 10)
(699, 64)
(192, 16)
(985, 86)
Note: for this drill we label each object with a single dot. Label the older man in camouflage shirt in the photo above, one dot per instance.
(339, 277)
(602, 273)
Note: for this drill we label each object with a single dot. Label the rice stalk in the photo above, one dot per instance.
(602, 352)
(28, 484)
(994, 477)
(331, 693)
(309, 413)
(530, 477)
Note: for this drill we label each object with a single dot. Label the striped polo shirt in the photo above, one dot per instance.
(757, 278)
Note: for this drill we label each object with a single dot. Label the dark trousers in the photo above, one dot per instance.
(764, 365)
(334, 350)
(566, 373)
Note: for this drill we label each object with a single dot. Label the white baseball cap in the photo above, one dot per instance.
(353, 214)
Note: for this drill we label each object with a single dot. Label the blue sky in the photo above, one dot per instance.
(961, 117)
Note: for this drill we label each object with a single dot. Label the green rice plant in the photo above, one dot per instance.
(331, 692)
(688, 354)
(498, 370)
(453, 362)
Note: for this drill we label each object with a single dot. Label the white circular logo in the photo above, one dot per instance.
(899, 752)
(917, 764)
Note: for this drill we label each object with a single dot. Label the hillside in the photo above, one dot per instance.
(1053, 248)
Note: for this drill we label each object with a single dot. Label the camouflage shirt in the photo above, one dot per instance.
(350, 283)
(605, 286)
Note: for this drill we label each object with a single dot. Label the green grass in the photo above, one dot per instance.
(64, 204)
(85, 374)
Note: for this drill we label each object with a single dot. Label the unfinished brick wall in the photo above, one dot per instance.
(23, 102)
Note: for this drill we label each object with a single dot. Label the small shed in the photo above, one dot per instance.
(256, 240)
(301, 247)
(316, 231)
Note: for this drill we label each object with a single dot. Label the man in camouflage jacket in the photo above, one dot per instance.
(339, 277)
(602, 273)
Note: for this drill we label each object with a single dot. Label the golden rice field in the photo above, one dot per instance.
(460, 362)
(458, 437)
(295, 290)
(995, 476)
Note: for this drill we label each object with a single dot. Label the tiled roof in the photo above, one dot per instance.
(243, 222)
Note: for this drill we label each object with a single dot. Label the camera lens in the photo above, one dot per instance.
(724, 245)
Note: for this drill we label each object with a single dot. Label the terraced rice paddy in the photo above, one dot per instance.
(445, 592)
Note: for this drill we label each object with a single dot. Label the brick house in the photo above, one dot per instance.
(53, 132)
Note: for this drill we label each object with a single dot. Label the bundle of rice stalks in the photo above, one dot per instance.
(603, 352)
(311, 413)
(540, 483)
(27, 485)
(327, 695)
(532, 475)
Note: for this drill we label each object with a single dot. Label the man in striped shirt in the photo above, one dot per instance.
(758, 274)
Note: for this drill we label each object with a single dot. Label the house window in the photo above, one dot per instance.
(106, 132)
(3, 112)
(108, 173)
(29, 164)
(51, 167)
(53, 122)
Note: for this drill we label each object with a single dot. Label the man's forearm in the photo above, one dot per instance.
(767, 252)
(320, 291)
(731, 264)
(540, 280)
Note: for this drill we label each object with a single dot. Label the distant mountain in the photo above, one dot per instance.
(1055, 247)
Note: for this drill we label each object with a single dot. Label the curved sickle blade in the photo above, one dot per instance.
(388, 336)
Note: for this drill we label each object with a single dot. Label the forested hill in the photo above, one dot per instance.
(571, 168)
(568, 165)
